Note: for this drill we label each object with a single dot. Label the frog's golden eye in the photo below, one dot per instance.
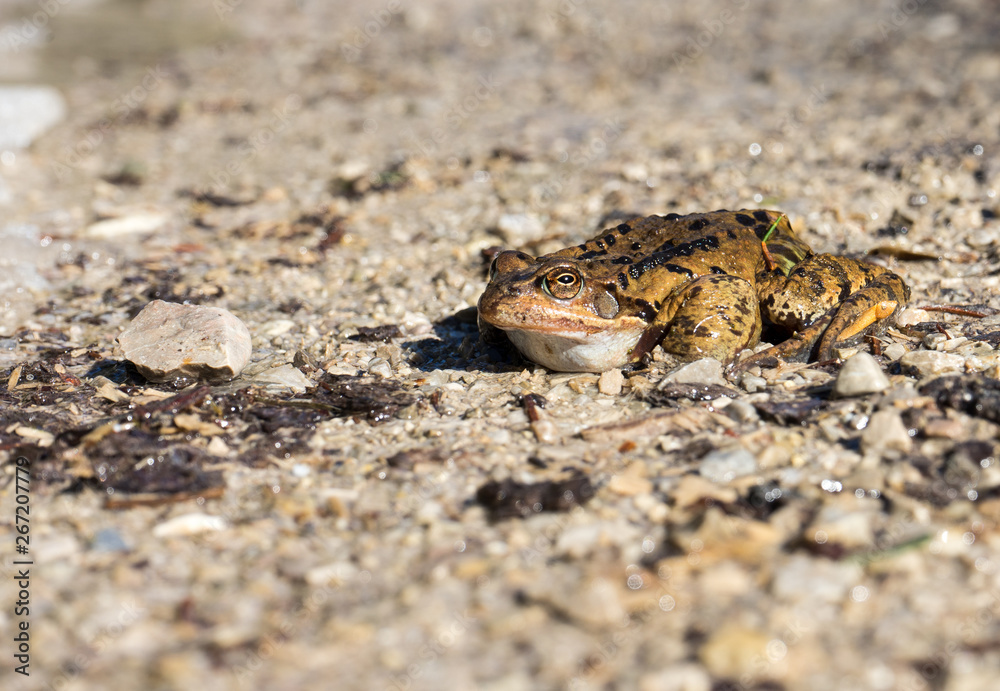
(563, 283)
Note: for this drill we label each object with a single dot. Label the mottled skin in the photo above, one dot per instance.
(699, 285)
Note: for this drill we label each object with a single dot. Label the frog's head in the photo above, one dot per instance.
(559, 311)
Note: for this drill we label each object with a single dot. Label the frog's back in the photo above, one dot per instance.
(728, 240)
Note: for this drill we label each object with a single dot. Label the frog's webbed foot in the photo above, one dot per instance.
(798, 347)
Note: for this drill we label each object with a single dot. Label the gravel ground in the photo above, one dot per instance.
(332, 173)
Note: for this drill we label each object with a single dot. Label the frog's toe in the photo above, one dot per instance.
(876, 312)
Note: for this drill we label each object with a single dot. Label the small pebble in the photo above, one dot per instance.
(133, 224)
(681, 676)
(285, 376)
(886, 431)
(944, 342)
(730, 652)
(166, 341)
(859, 376)
(849, 526)
(817, 582)
(742, 411)
(109, 540)
(930, 362)
(335, 573)
(914, 315)
(380, 368)
(190, 524)
(545, 431)
(217, 447)
(703, 371)
(895, 351)
(435, 379)
(944, 428)
(752, 383)
(629, 485)
(579, 541)
(723, 465)
(275, 328)
(611, 382)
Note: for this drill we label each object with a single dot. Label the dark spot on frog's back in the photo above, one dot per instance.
(744, 220)
(623, 280)
(671, 217)
(677, 269)
(687, 249)
(622, 260)
(624, 229)
(761, 216)
(610, 239)
(697, 224)
(761, 231)
(645, 311)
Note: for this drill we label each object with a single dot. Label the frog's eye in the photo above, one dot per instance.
(563, 283)
(493, 269)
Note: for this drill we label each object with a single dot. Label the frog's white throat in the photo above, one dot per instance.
(595, 352)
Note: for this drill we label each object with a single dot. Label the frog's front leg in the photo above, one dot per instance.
(712, 316)
(832, 301)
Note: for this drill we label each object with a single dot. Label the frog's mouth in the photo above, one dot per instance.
(563, 337)
(571, 321)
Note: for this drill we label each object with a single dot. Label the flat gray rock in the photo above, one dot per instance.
(167, 341)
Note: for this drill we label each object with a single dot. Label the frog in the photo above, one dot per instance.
(696, 285)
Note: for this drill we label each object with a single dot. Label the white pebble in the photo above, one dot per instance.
(190, 524)
(287, 376)
(859, 376)
(611, 382)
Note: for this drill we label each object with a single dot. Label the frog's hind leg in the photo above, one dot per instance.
(829, 301)
(870, 311)
(712, 316)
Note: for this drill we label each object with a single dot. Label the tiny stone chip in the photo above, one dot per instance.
(611, 382)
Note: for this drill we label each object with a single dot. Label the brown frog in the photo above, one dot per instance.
(699, 285)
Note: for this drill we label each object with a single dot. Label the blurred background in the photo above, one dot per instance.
(176, 136)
